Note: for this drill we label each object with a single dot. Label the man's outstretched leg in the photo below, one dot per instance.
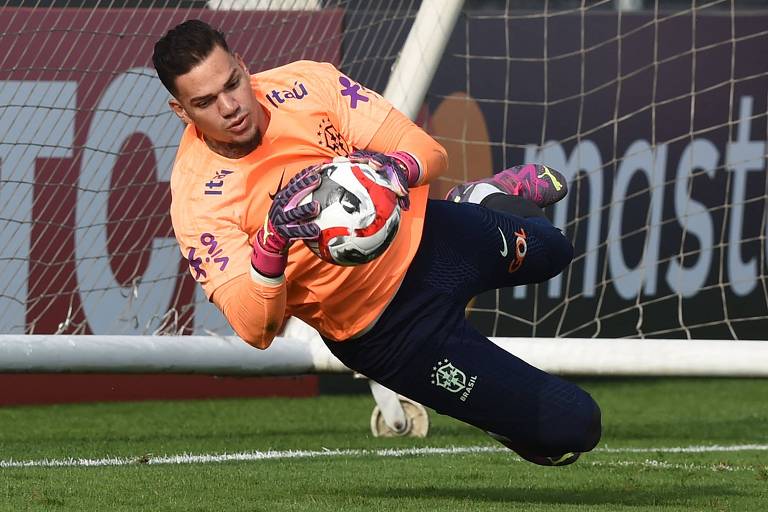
(522, 191)
(424, 348)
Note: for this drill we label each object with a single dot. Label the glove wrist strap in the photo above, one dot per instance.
(268, 263)
(410, 164)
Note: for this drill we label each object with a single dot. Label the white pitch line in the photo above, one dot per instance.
(715, 448)
(403, 452)
(661, 464)
(245, 456)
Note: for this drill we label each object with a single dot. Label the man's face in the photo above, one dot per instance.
(216, 96)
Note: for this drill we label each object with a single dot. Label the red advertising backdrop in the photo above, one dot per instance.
(79, 56)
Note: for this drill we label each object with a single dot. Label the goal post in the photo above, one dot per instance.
(654, 111)
(229, 355)
(417, 63)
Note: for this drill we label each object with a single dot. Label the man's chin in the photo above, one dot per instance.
(253, 141)
(235, 147)
(247, 143)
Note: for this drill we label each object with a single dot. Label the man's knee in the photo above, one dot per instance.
(562, 445)
(592, 430)
(586, 429)
(579, 431)
(562, 252)
(557, 248)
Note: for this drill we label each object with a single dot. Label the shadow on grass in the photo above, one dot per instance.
(602, 495)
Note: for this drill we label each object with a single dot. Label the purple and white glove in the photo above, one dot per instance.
(287, 222)
(400, 168)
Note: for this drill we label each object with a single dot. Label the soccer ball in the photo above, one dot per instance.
(359, 214)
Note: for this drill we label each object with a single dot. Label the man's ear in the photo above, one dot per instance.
(178, 109)
(241, 63)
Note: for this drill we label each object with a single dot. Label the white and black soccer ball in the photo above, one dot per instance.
(359, 214)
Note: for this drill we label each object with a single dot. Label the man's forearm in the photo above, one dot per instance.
(398, 133)
(253, 307)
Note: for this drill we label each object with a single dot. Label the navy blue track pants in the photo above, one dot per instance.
(424, 348)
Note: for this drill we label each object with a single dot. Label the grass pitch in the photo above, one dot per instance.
(671, 445)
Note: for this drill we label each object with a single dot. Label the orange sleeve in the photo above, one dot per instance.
(398, 133)
(367, 120)
(254, 306)
(358, 112)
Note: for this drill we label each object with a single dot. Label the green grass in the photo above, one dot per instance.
(637, 414)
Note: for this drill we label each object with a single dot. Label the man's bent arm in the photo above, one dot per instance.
(254, 306)
(398, 133)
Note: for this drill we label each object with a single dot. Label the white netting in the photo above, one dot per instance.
(657, 115)
(87, 141)
(658, 119)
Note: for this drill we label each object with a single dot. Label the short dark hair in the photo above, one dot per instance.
(182, 48)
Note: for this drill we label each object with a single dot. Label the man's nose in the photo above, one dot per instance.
(228, 106)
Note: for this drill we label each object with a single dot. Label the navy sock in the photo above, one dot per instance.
(514, 205)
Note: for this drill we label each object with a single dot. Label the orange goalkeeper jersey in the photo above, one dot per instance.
(218, 204)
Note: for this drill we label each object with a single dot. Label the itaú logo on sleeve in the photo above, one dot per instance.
(297, 92)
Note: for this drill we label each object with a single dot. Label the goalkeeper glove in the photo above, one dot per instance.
(286, 222)
(399, 168)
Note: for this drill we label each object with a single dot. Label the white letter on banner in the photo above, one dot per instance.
(584, 157)
(640, 157)
(741, 157)
(135, 102)
(37, 120)
(693, 217)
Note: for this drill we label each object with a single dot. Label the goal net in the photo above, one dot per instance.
(657, 116)
(655, 111)
(87, 142)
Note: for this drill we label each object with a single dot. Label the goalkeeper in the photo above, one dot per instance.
(251, 145)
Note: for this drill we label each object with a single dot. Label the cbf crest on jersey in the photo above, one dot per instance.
(329, 137)
(446, 375)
